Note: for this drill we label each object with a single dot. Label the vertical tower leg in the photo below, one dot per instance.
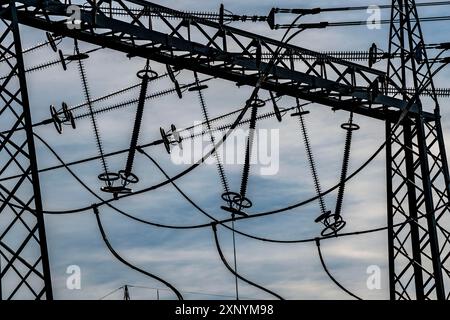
(417, 171)
(418, 212)
(24, 266)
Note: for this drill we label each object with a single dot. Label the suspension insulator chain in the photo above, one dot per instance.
(312, 164)
(161, 13)
(206, 120)
(127, 103)
(107, 97)
(105, 176)
(349, 127)
(223, 127)
(39, 67)
(51, 41)
(334, 222)
(127, 175)
(238, 201)
(248, 151)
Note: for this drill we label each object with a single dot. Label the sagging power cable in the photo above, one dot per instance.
(305, 240)
(327, 24)
(154, 187)
(354, 8)
(118, 257)
(221, 222)
(102, 201)
(220, 169)
(401, 117)
(324, 266)
(156, 142)
(224, 260)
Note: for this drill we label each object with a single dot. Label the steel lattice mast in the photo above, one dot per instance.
(24, 267)
(417, 171)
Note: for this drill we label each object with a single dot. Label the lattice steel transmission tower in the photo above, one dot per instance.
(417, 170)
(24, 266)
(416, 163)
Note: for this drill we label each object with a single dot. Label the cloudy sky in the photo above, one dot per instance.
(188, 258)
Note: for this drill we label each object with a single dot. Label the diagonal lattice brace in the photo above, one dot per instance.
(24, 266)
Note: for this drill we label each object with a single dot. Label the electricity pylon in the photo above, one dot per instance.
(417, 170)
(416, 163)
(24, 266)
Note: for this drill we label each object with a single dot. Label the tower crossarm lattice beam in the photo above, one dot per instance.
(215, 49)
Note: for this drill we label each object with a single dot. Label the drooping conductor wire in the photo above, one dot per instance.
(324, 90)
(220, 169)
(326, 24)
(125, 262)
(238, 201)
(324, 266)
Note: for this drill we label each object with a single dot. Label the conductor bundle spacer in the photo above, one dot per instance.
(199, 87)
(109, 178)
(333, 223)
(350, 126)
(77, 57)
(236, 203)
(127, 179)
(256, 103)
(150, 74)
(73, 57)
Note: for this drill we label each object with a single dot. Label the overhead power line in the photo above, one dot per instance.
(318, 10)
(327, 24)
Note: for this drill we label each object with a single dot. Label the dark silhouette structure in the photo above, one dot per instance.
(416, 163)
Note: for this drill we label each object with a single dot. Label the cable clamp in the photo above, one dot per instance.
(95, 209)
